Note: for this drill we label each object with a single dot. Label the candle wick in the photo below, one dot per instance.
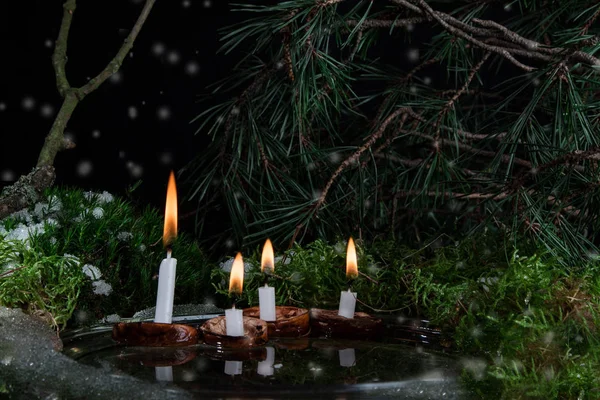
(266, 284)
(168, 254)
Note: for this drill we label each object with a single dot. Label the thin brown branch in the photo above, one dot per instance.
(59, 55)
(404, 112)
(463, 89)
(384, 23)
(113, 66)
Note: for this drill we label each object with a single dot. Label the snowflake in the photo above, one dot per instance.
(132, 112)
(2, 106)
(28, 103)
(101, 287)
(135, 170)
(173, 57)
(116, 77)
(46, 110)
(95, 133)
(84, 168)
(207, 3)
(8, 175)
(166, 158)
(192, 68)
(158, 48)
(91, 272)
(413, 55)
(48, 43)
(163, 113)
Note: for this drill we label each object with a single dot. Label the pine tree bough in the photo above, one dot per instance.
(339, 137)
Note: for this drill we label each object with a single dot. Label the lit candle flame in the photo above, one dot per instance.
(170, 230)
(351, 263)
(236, 277)
(267, 261)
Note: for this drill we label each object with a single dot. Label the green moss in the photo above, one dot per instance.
(108, 233)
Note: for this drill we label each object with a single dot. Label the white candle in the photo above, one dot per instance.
(168, 266)
(347, 357)
(347, 304)
(266, 302)
(164, 374)
(234, 322)
(166, 290)
(233, 367)
(265, 368)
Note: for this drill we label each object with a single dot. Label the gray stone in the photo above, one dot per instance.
(30, 368)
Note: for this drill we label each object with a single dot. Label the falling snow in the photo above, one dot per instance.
(132, 112)
(166, 158)
(96, 134)
(413, 55)
(116, 77)
(192, 68)
(207, 3)
(135, 170)
(48, 43)
(46, 110)
(163, 113)
(84, 168)
(427, 80)
(28, 103)
(186, 3)
(8, 175)
(2, 106)
(158, 49)
(173, 57)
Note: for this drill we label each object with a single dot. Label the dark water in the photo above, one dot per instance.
(407, 364)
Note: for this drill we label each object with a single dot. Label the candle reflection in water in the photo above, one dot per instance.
(347, 357)
(265, 368)
(233, 367)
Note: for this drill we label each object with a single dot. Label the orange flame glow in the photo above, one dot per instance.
(236, 277)
(351, 263)
(170, 230)
(267, 261)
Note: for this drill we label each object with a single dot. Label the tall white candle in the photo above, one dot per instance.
(266, 302)
(168, 266)
(266, 294)
(234, 319)
(265, 367)
(347, 357)
(234, 322)
(348, 299)
(166, 290)
(233, 367)
(347, 304)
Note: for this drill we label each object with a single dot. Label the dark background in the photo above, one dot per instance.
(136, 126)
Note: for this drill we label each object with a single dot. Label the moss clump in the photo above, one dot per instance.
(526, 324)
(112, 248)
